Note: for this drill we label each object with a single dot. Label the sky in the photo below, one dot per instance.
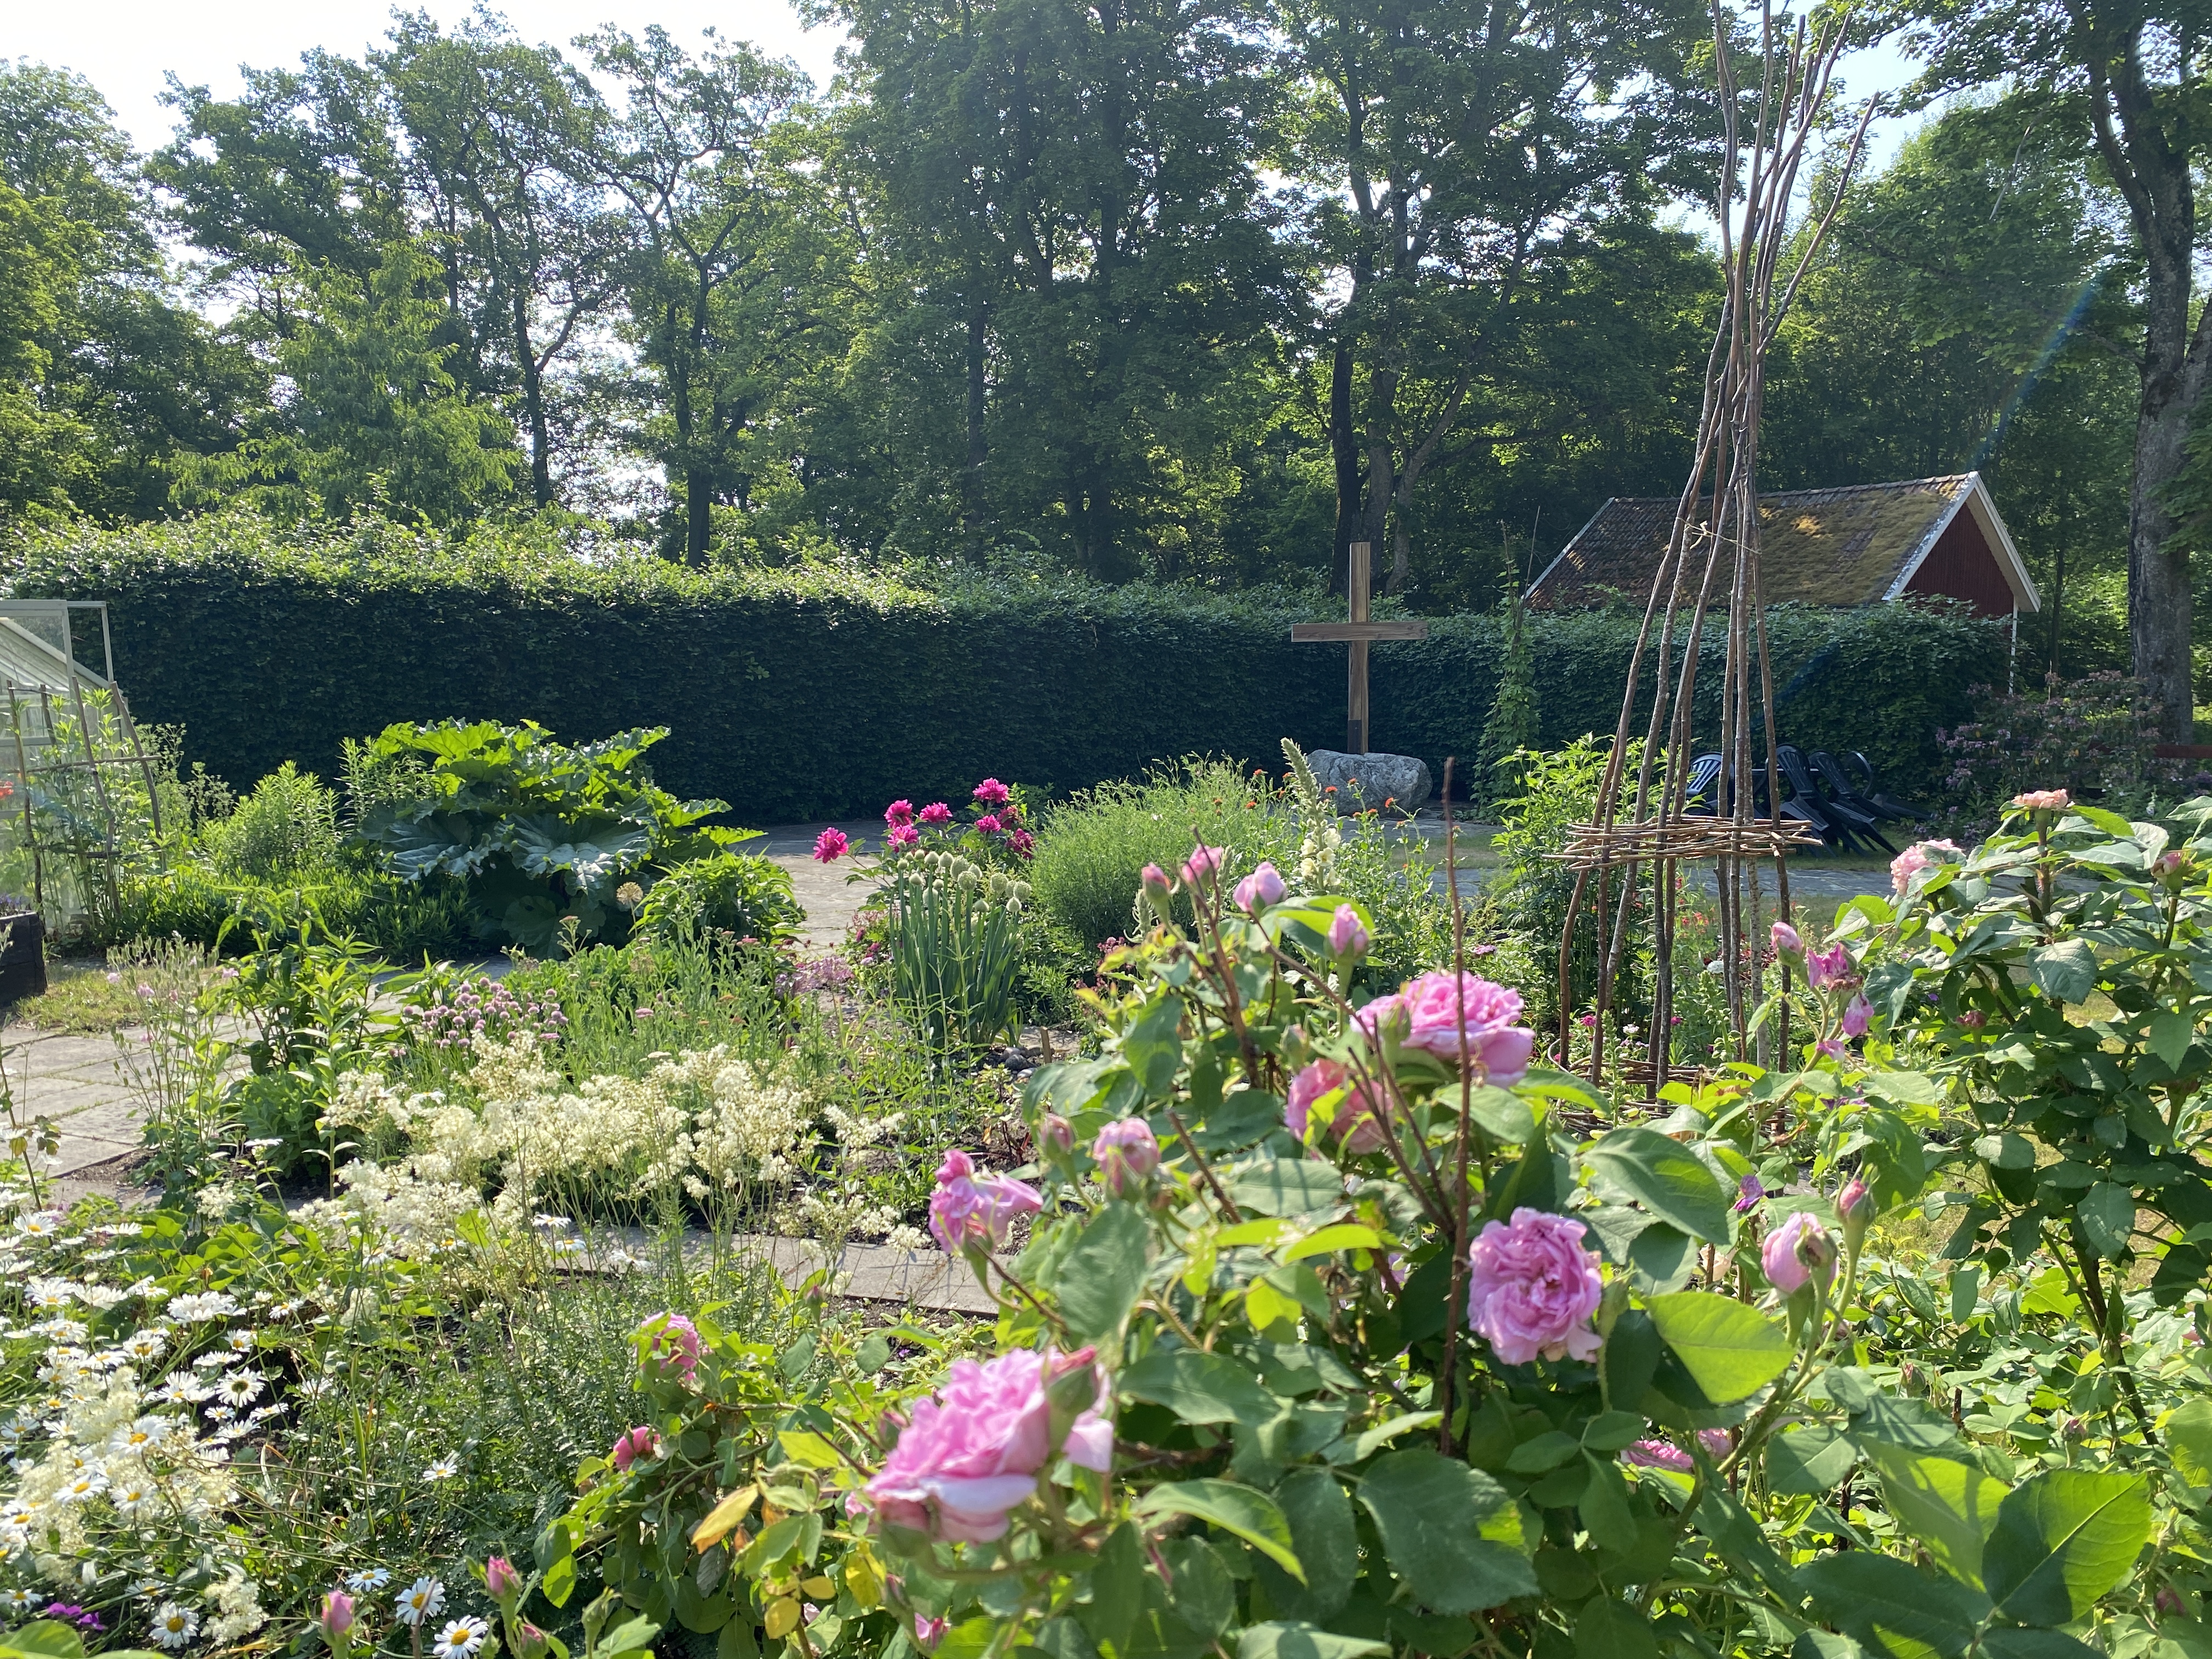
(126, 47)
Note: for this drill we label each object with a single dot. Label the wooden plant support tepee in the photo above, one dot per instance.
(1629, 853)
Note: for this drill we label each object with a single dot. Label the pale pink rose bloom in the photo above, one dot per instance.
(975, 1450)
(979, 1210)
(1792, 1251)
(1654, 1453)
(1430, 1007)
(1127, 1154)
(2043, 800)
(1915, 858)
(1534, 1288)
(1356, 1124)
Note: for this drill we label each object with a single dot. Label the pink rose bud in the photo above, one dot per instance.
(338, 1614)
(1858, 1014)
(1203, 864)
(1534, 1288)
(1154, 880)
(1128, 1155)
(1055, 1135)
(1262, 887)
(1854, 1202)
(501, 1579)
(1795, 1251)
(1786, 939)
(1347, 934)
(530, 1642)
(1973, 1019)
(637, 1443)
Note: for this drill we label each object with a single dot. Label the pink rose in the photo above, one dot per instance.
(1357, 1124)
(1855, 1203)
(1915, 858)
(937, 812)
(975, 1450)
(1055, 1135)
(1432, 1007)
(829, 846)
(1202, 864)
(991, 792)
(1127, 1154)
(671, 1346)
(1830, 967)
(2043, 800)
(1785, 938)
(899, 812)
(1657, 1454)
(976, 1211)
(1792, 1252)
(1262, 887)
(1347, 934)
(501, 1579)
(640, 1442)
(1534, 1288)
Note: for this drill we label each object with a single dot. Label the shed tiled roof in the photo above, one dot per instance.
(1828, 547)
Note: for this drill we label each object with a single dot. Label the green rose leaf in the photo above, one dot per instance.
(1288, 1186)
(2171, 1035)
(1199, 1387)
(1502, 1115)
(2066, 971)
(1099, 1281)
(1451, 1533)
(1283, 1638)
(2004, 1643)
(1249, 1515)
(1873, 1597)
(2108, 1212)
(1325, 1539)
(1730, 1350)
(1607, 1629)
(1809, 1462)
(2188, 1432)
(1945, 1503)
(2062, 1540)
(1666, 1177)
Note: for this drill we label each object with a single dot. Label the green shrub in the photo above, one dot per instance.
(952, 933)
(1532, 888)
(192, 900)
(819, 692)
(542, 833)
(739, 893)
(288, 824)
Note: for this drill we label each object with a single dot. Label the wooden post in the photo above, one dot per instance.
(1356, 685)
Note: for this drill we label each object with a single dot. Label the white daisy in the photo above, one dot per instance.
(420, 1602)
(239, 1341)
(141, 1436)
(368, 1579)
(132, 1498)
(13, 1599)
(40, 1223)
(78, 1487)
(175, 1626)
(240, 1388)
(207, 1305)
(144, 1345)
(51, 1295)
(461, 1638)
(444, 1469)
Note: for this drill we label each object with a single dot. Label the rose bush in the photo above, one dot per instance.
(1327, 1342)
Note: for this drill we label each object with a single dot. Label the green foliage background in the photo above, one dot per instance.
(819, 690)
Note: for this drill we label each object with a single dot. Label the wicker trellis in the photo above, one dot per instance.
(1642, 831)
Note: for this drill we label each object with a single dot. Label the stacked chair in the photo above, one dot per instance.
(1840, 801)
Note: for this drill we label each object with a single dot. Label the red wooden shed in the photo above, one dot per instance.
(1859, 545)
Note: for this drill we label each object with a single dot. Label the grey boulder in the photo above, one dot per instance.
(1365, 780)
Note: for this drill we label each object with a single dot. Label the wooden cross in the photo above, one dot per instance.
(1358, 633)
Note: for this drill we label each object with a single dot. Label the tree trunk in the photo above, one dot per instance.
(533, 404)
(1343, 447)
(2158, 626)
(971, 479)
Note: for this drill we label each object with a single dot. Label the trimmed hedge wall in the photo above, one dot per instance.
(824, 692)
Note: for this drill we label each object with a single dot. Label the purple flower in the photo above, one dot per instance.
(972, 1211)
(1262, 887)
(1793, 1252)
(1534, 1288)
(1748, 1191)
(1347, 934)
(1127, 1154)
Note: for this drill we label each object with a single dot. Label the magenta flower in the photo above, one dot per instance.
(928, 1633)
(903, 835)
(671, 1346)
(1534, 1288)
(640, 1442)
(1657, 1454)
(1347, 934)
(975, 1450)
(1431, 1009)
(1748, 1191)
(1262, 887)
(899, 812)
(1830, 967)
(1022, 842)
(991, 792)
(989, 824)
(1915, 858)
(1855, 1202)
(830, 846)
(1127, 1154)
(1792, 1253)
(1831, 1048)
(1357, 1125)
(937, 813)
(2043, 800)
(1203, 864)
(1154, 881)
(1858, 1014)
(1785, 938)
(969, 1211)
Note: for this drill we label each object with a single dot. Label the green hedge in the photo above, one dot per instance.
(823, 691)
